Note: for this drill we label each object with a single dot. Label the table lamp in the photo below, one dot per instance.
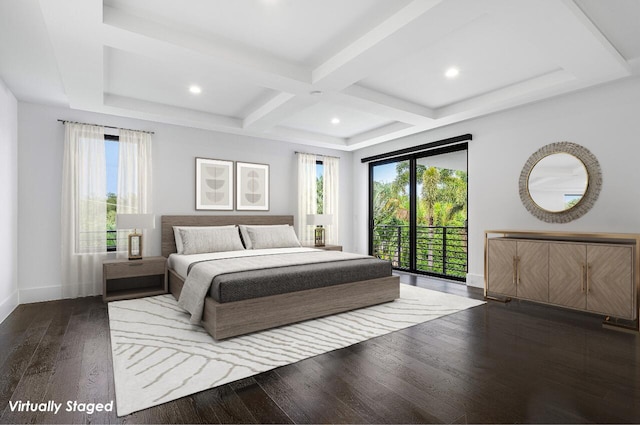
(319, 220)
(135, 222)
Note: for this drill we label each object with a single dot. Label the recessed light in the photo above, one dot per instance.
(335, 121)
(195, 89)
(452, 72)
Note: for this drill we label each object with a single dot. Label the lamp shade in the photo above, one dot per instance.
(319, 219)
(135, 221)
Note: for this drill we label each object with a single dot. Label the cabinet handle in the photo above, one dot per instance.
(515, 270)
(584, 271)
(588, 285)
(134, 264)
(518, 270)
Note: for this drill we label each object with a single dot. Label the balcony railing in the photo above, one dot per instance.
(112, 240)
(85, 243)
(440, 250)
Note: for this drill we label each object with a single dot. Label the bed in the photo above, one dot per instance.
(238, 315)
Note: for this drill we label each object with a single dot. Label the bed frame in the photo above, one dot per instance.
(224, 320)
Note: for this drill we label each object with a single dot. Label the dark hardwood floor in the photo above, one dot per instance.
(497, 363)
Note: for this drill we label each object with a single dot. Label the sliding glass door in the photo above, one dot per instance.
(391, 213)
(418, 212)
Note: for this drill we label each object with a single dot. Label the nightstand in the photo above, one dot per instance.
(326, 247)
(123, 279)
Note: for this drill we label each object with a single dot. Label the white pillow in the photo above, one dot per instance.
(245, 235)
(209, 239)
(273, 237)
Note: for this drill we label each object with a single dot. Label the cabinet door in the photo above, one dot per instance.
(567, 274)
(533, 271)
(610, 280)
(501, 266)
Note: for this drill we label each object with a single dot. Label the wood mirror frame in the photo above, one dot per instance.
(594, 184)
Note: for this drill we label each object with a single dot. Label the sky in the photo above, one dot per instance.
(111, 152)
(385, 173)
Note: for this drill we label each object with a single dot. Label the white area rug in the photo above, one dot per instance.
(158, 356)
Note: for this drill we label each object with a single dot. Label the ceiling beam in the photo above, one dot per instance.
(381, 104)
(346, 67)
(136, 108)
(382, 134)
(509, 96)
(276, 109)
(413, 28)
(80, 64)
(172, 114)
(307, 138)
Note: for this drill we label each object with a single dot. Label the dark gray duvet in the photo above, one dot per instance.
(279, 280)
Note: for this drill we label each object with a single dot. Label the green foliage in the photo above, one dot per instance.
(320, 194)
(572, 203)
(442, 201)
(112, 201)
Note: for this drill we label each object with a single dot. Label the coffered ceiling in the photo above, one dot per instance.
(333, 73)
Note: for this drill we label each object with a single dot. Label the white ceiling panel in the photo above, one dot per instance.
(27, 63)
(487, 55)
(378, 64)
(318, 119)
(162, 81)
(619, 21)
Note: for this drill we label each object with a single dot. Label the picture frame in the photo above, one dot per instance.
(214, 184)
(252, 186)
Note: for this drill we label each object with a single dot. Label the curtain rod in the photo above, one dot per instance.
(318, 154)
(106, 126)
(416, 149)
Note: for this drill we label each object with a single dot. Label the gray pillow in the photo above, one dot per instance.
(178, 237)
(273, 237)
(212, 239)
(245, 234)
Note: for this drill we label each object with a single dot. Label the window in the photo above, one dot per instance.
(102, 176)
(111, 156)
(319, 187)
(318, 178)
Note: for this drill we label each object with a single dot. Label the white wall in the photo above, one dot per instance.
(603, 119)
(174, 151)
(8, 201)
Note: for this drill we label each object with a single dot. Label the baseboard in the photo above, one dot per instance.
(51, 293)
(475, 280)
(43, 293)
(8, 305)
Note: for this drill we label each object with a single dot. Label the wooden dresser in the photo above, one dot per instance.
(593, 272)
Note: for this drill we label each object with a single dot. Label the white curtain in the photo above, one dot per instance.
(134, 180)
(307, 197)
(331, 167)
(84, 210)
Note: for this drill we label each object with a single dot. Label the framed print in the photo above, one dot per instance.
(214, 184)
(252, 182)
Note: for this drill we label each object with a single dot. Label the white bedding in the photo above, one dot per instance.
(180, 262)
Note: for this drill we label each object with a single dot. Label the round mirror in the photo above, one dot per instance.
(558, 182)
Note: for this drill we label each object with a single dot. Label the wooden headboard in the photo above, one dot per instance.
(168, 221)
